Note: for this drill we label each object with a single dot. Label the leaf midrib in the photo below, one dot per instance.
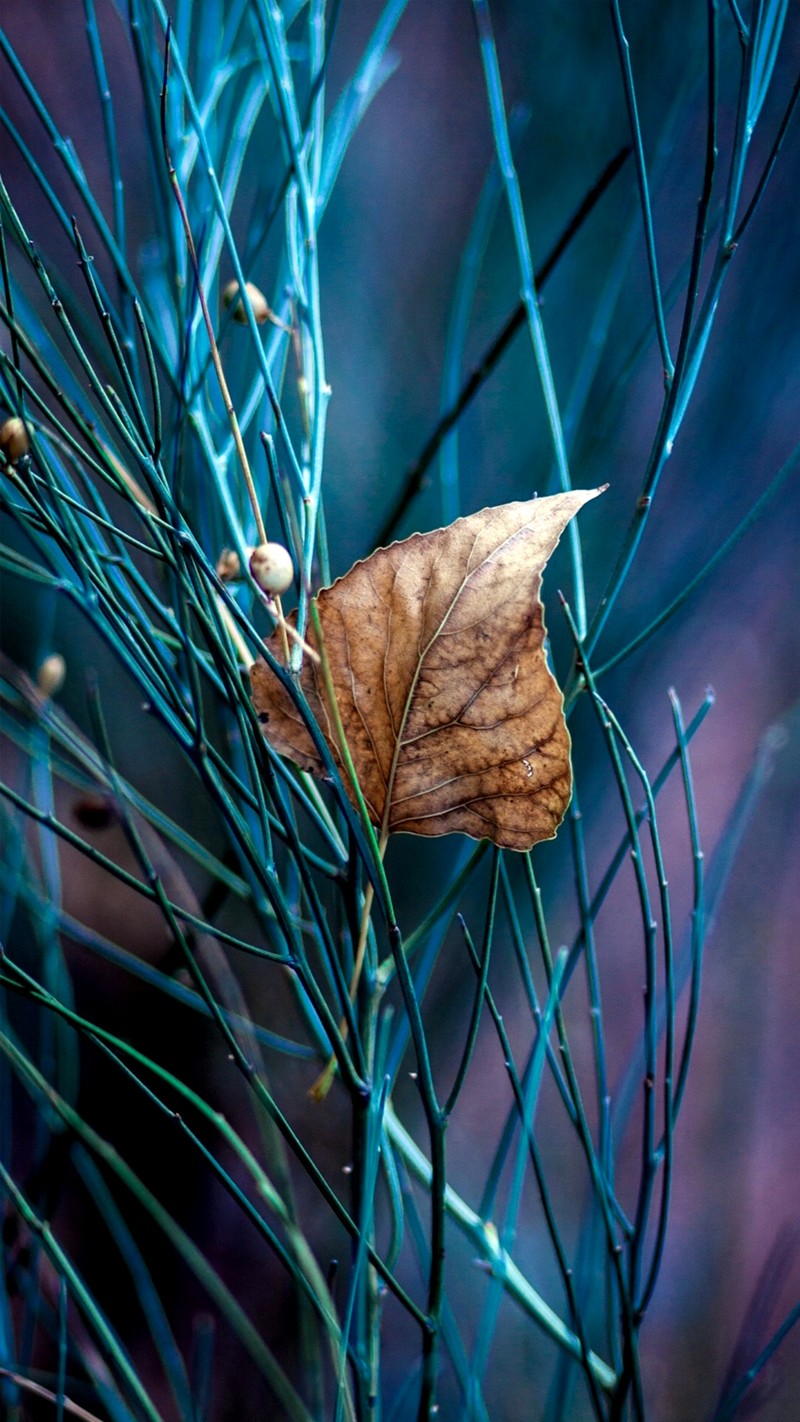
(399, 742)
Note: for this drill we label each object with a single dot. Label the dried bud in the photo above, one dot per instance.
(229, 566)
(258, 301)
(95, 811)
(51, 673)
(14, 440)
(272, 568)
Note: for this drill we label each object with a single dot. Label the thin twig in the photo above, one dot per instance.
(414, 479)
(212, 340)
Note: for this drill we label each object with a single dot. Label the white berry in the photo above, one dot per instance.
(272, 568)
(51, 673)
(14, 440)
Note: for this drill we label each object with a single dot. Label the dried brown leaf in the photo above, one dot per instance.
(453, 719)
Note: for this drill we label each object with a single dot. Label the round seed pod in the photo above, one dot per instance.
(258, 301)
(51, 673)
(14, 440)
(272, 568)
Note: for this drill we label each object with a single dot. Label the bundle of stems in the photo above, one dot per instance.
(161, 435)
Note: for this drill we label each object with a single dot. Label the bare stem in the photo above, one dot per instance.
(324, 1081)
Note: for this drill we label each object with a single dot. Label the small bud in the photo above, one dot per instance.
(95, 811)
(51, 673)
(258, 301)
(14, 440)
(492, 1237)
(229, 566)
(272, 568)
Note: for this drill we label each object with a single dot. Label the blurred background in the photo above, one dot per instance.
(391, 247)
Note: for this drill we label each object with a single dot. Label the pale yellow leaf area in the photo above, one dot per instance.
(453, 718)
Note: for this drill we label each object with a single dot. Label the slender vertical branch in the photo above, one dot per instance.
(644, 192)
(529, 299)
(209, 325)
